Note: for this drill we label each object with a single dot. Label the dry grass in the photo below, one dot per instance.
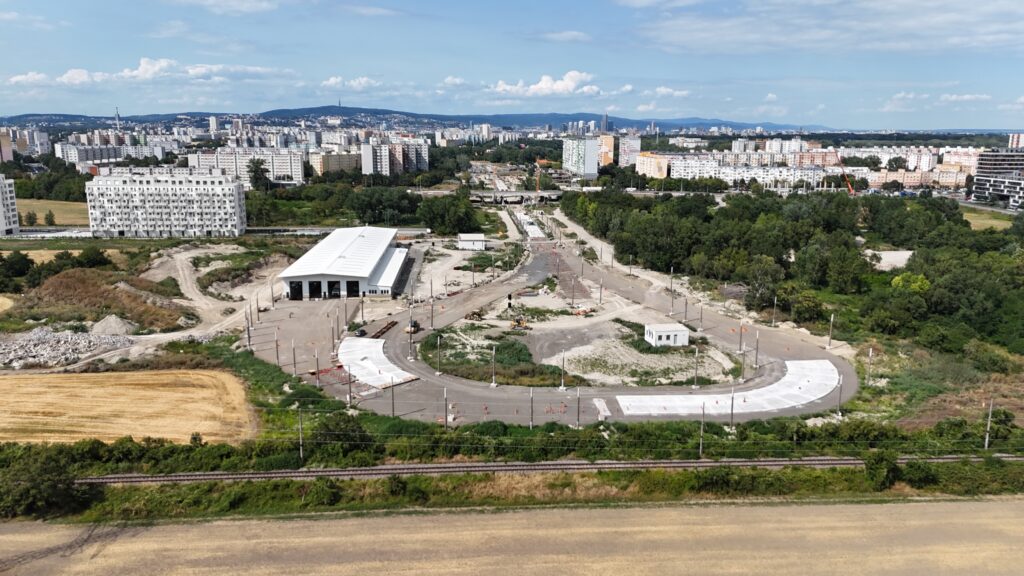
(88, 294)
(5, 303)
(970, 403)
(168, 404)
(981, 219)
(65, 213)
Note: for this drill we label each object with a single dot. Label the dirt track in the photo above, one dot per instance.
(934, 538)
(163, 404)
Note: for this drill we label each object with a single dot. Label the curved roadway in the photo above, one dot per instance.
(471, 401)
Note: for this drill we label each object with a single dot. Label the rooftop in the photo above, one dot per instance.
(351, 252)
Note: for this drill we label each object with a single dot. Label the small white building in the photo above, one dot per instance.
(472, 242)
(667, 334)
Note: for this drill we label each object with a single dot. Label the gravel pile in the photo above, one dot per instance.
(44, 347)
(114, 325)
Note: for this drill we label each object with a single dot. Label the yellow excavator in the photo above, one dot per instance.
(520, 323)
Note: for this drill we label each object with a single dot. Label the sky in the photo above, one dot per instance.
(861, 64)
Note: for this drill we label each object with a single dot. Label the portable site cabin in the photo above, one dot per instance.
(472, 242)
(667, 334)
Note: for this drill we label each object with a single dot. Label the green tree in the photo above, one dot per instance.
(338, 436)
(259, 175)
(17, 264)
(896, 163)
(892, 186)
(92, 257)
(31, 219)
(448, 215)
(40, 483)
(49, 218)
(762, 275)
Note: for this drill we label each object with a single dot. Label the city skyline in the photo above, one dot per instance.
(858, 65)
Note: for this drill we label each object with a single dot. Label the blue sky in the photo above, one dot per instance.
(852, 63)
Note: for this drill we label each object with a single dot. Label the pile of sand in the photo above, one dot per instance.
(114, 325)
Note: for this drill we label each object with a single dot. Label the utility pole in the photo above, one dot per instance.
(344, 304)
(775, 304)
(438, 355)
(672, 291)
(446, 408)
(277, 347)
(988, 424)
(316, 359)
(831, 321)
(600, 294)
(431, 312)
(757, 348)
(531, 408)
(392, 396)
(248, 335)
(362, 308)
(630, 265)
(696, 363)
(871, 352)
(701, 327)
(295, 365)
(732, 408)
(839, 403)
(301, 455)
(257, 306)
(561, 386)
(577, 407)
(741, 337)
(700, 447)
(494, 379)
(686, 308)
(349, 388)
(572, 301)
(270, 285)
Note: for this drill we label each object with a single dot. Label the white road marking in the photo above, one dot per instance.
(805, 381)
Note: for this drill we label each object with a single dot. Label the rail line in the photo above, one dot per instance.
(507, 468)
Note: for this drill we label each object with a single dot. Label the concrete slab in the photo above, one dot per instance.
(805, 381)
(365, 359)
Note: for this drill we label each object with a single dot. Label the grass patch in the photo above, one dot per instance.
(979, 219)
(513, 363)
(64, 213)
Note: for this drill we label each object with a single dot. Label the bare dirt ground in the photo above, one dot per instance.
(609, 361)
(163, 404)
(6, 302)
(921, 538)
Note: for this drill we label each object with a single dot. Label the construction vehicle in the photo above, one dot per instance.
(413, 327)
(520, 323)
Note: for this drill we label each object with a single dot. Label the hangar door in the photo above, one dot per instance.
(352, 288)
(295, 290)
(333, 289)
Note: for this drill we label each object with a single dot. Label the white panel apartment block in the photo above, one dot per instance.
(8, 208)
(158, 205)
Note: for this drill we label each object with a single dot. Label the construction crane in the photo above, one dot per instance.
(845, 177)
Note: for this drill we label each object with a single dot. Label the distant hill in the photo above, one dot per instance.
(382, 114)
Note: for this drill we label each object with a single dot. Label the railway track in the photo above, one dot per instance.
(503, 467)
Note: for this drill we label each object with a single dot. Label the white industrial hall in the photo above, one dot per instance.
(349, 262)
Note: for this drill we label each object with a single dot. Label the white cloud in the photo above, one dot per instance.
(75, 77)
(28, 78)
(589, 90)
(964, 97)
(626, 89)
(210, 70)
(646, 107)
(569, 83)
(149, 69)
(567, 36)
(357, 84)
(833, 26)
(611, 108)
(361, 10)
(8, 16)
(362, 83)
(1014, 106)
(770, 110)
(454, 81)
(232, 6)
(672, 92)
(770, 97)
(902, 102)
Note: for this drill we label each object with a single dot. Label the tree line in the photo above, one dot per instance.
(960, 291)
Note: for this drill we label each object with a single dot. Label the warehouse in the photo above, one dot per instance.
(349, 262)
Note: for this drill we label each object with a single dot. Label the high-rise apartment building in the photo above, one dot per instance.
(165, 202)
(403, 155)
(580, 156)
(8, 208)
(629, 148)
(606, 149)
(1000, 162)
(282, 164)
(1016, 141)
(213, 125)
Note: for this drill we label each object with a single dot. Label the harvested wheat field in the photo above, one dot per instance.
(168, 404)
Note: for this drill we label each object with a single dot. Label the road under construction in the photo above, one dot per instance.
(793, 372)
